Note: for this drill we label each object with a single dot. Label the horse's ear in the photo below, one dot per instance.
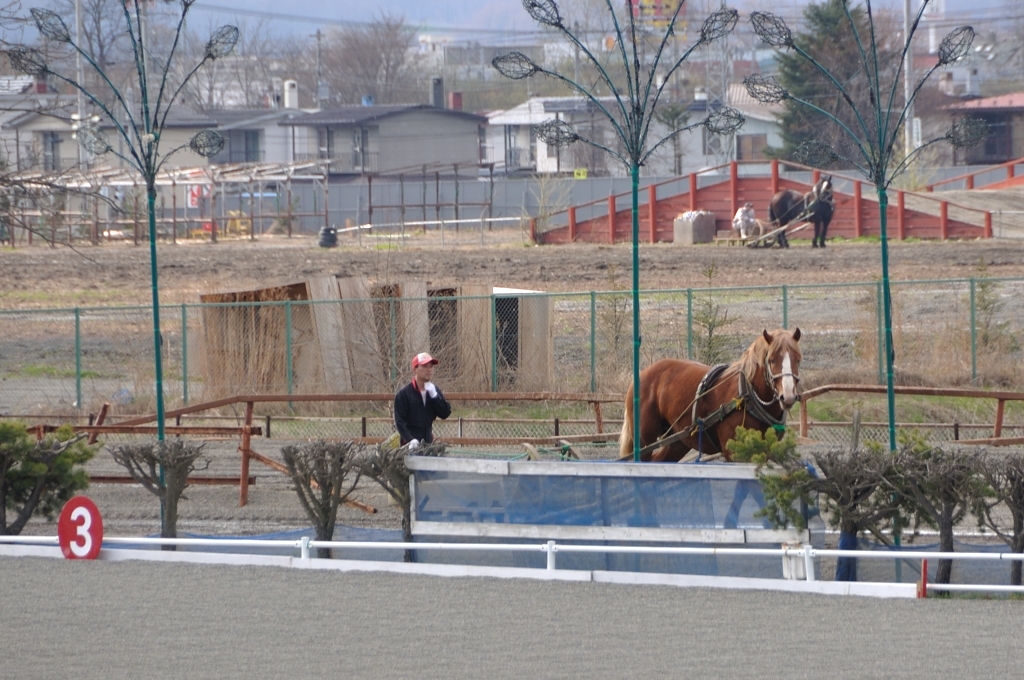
(796, 334)
(767, 336)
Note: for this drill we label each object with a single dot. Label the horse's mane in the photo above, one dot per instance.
(753, 358)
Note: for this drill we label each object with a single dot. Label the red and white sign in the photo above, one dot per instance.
(80, 529)
(196, 193)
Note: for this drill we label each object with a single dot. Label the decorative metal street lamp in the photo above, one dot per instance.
(634, 97)
(875, 132)
(143, 126)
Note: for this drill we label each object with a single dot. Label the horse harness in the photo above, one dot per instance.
(746, 398)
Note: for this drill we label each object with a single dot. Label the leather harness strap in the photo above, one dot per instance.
(747, 399)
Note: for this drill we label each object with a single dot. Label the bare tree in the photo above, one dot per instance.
(162, 468)
(370, 60)
(104, 37)
(325, 474)
(247, 77)
(940, 487)
(386, 466)
(1004, 475)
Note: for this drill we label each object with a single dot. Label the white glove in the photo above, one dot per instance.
(413, 444)
(431, 390)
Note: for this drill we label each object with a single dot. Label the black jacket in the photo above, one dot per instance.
(413, 418)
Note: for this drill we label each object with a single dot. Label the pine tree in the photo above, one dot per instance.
(829, 38)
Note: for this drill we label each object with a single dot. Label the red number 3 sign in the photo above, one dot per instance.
(80, 529)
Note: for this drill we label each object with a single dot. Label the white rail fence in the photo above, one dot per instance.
(798, 561)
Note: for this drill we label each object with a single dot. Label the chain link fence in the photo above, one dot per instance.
(68, 362)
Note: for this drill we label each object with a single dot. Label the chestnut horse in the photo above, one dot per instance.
(755, 392)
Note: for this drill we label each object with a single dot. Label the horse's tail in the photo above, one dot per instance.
(626, 436)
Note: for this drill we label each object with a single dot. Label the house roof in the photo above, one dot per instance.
(536, 110)
(16, 84)
(1004, 102)
(356, 115)
(740, 99)
(237, 119)
(178, 117)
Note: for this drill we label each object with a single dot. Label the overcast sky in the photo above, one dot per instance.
(494, 17)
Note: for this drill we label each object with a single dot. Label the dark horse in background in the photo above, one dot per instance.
(816, 207)
(755, 392)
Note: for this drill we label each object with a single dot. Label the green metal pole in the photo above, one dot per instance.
(184, 353)
(78, 359)
(881, 333)
(494, 344)
(593, 341)
(635, 174)
(785, 307)
(151, 196)
(689, 323)
(288, 343)
(883, 206)
(974, 334)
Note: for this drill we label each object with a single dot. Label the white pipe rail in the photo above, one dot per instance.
(551, 548)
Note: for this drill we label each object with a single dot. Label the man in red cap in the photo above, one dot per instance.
(418, 403)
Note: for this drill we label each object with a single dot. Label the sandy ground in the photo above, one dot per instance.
(142, 619)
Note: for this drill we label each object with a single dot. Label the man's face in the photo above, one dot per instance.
(423, 373)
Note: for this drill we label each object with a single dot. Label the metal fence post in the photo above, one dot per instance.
(974, 333)
(809, 562)
(494, 343)
(785, 306)
(184, 353)
(689, 323)
(78, 358)
(551, 555)
(288, 343)
(593, 341)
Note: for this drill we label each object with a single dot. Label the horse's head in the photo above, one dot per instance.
(782, 365)
(822, 189)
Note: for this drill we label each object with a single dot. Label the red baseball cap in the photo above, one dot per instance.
(422, 359)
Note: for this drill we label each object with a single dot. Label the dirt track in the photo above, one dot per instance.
(119, 273)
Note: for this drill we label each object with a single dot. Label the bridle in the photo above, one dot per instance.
(770, 379)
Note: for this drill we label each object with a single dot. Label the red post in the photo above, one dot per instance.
(775, 176)
(1000, 408)
(988, 225)
(533, 229)
(922, 585)
(815, 176)
(858, 226)
(652, 211)
(943, 220)
(734, 186)
(693, 191)
(572, 224)
(901, 216)
(611, 218)
(1010, 170)
(970, 181)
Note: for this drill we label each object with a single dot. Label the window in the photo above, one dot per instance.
(51, 151)
(325, 143)
(251, 146)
